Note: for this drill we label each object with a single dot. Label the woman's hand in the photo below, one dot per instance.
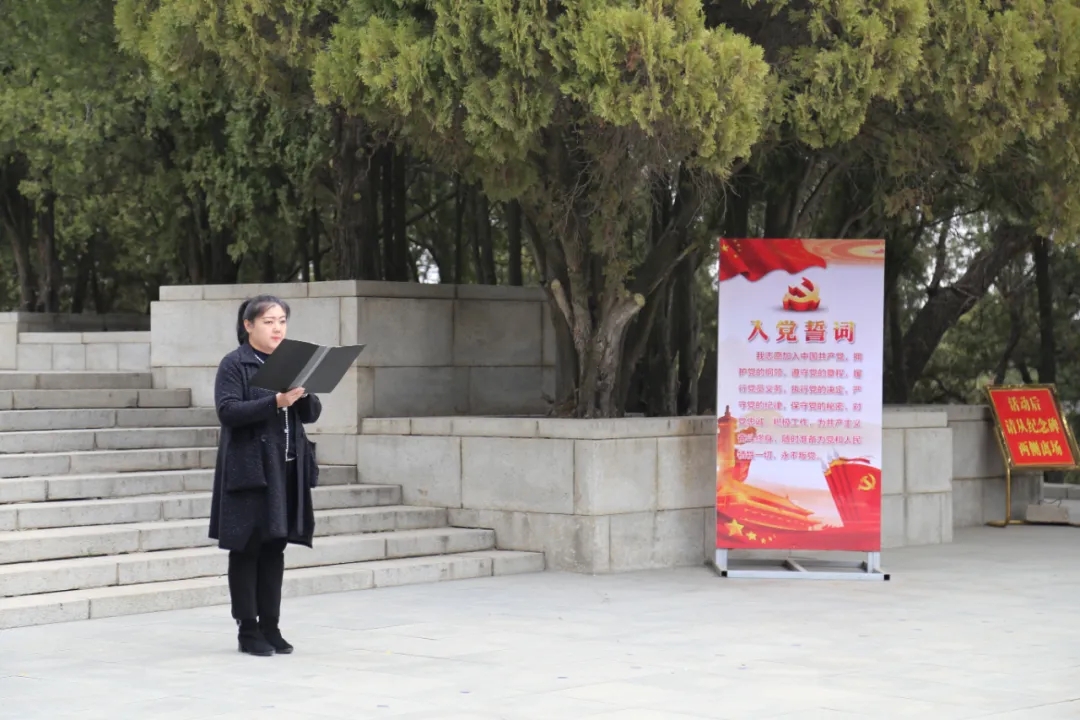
(286, 399)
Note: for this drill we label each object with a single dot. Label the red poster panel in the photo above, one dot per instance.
(799, 393)
(1032, 431)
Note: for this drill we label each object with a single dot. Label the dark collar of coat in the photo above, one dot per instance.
(247, 355)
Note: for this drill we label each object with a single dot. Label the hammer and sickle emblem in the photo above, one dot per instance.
(867, 482)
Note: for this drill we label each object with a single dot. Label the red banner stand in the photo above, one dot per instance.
(799, 427)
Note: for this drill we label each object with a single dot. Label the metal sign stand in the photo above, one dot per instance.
(802, 569)
(1009, 520)
(1011, 463)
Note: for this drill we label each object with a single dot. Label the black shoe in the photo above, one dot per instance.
(251, 641)
(270, 632)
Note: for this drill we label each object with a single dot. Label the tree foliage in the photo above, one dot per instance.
(595, 147)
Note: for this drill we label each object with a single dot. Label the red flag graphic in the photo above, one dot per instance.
(757, 257)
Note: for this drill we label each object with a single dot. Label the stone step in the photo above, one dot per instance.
(84, 399)
(57, 441)
(172, 506)
(118, 485)
(200, 592)
(60, 380)
(104, 461)
(167, 565)
(32, 420)
(22, 546)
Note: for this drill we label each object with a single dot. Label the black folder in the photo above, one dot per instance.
(316, 368)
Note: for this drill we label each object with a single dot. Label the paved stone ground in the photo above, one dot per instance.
(984, 628)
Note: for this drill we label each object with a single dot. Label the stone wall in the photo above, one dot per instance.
(100, 351)
(594, 496)
(619, 495)
(979, 472)
(432, 349)
(916, 477)
(22, 328)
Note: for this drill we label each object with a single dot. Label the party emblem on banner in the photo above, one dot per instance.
(803, 297)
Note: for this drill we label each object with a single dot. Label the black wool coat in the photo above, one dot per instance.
(250, 489)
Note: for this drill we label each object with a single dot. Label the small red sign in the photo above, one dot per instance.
(1034, 433)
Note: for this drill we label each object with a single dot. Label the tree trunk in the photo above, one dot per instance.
(687, 331)
(483, 250)
(17, 221)
(675, 357)
(598, 329)
(223, 269)
(100, 303)
(474, 225)
(303, 249)
(659, 377)
(1025, 373)
(82, 278)
(548, 262)
(460, 193)
(1047, 341)
(389, 256)
(49, 256)
(27, 281)
(269, 266)
(737, 214)
(513, 238)
(636, 381)
(946, 307)
(707, 383)
(597, 310)
(789, 173)
(404, 268)
(351, 235)
(896, 389)
(370, 252)
(1045, 289)
(17, 224)
(1016, 331)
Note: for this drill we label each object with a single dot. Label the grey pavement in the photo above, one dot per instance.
(983, 628)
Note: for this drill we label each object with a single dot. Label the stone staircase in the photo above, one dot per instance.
(105, 494)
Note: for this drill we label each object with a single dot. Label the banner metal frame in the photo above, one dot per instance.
(801, 568)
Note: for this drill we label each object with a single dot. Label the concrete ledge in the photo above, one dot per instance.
(67, 322)
(349, 288)
(1053, 491)
(554, 428)
(500, 292)
(914, 417)
(968, 413)
(116, 337)
(51, 338)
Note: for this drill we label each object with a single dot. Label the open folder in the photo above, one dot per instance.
(316, 368)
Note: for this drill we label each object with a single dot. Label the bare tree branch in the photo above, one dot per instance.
(943, 310)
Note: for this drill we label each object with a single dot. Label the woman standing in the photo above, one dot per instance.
(265, 471)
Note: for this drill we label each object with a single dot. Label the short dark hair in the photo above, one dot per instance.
(254, 308)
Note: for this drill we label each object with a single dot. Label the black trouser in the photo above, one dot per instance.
(255, 576)
(257, 571)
